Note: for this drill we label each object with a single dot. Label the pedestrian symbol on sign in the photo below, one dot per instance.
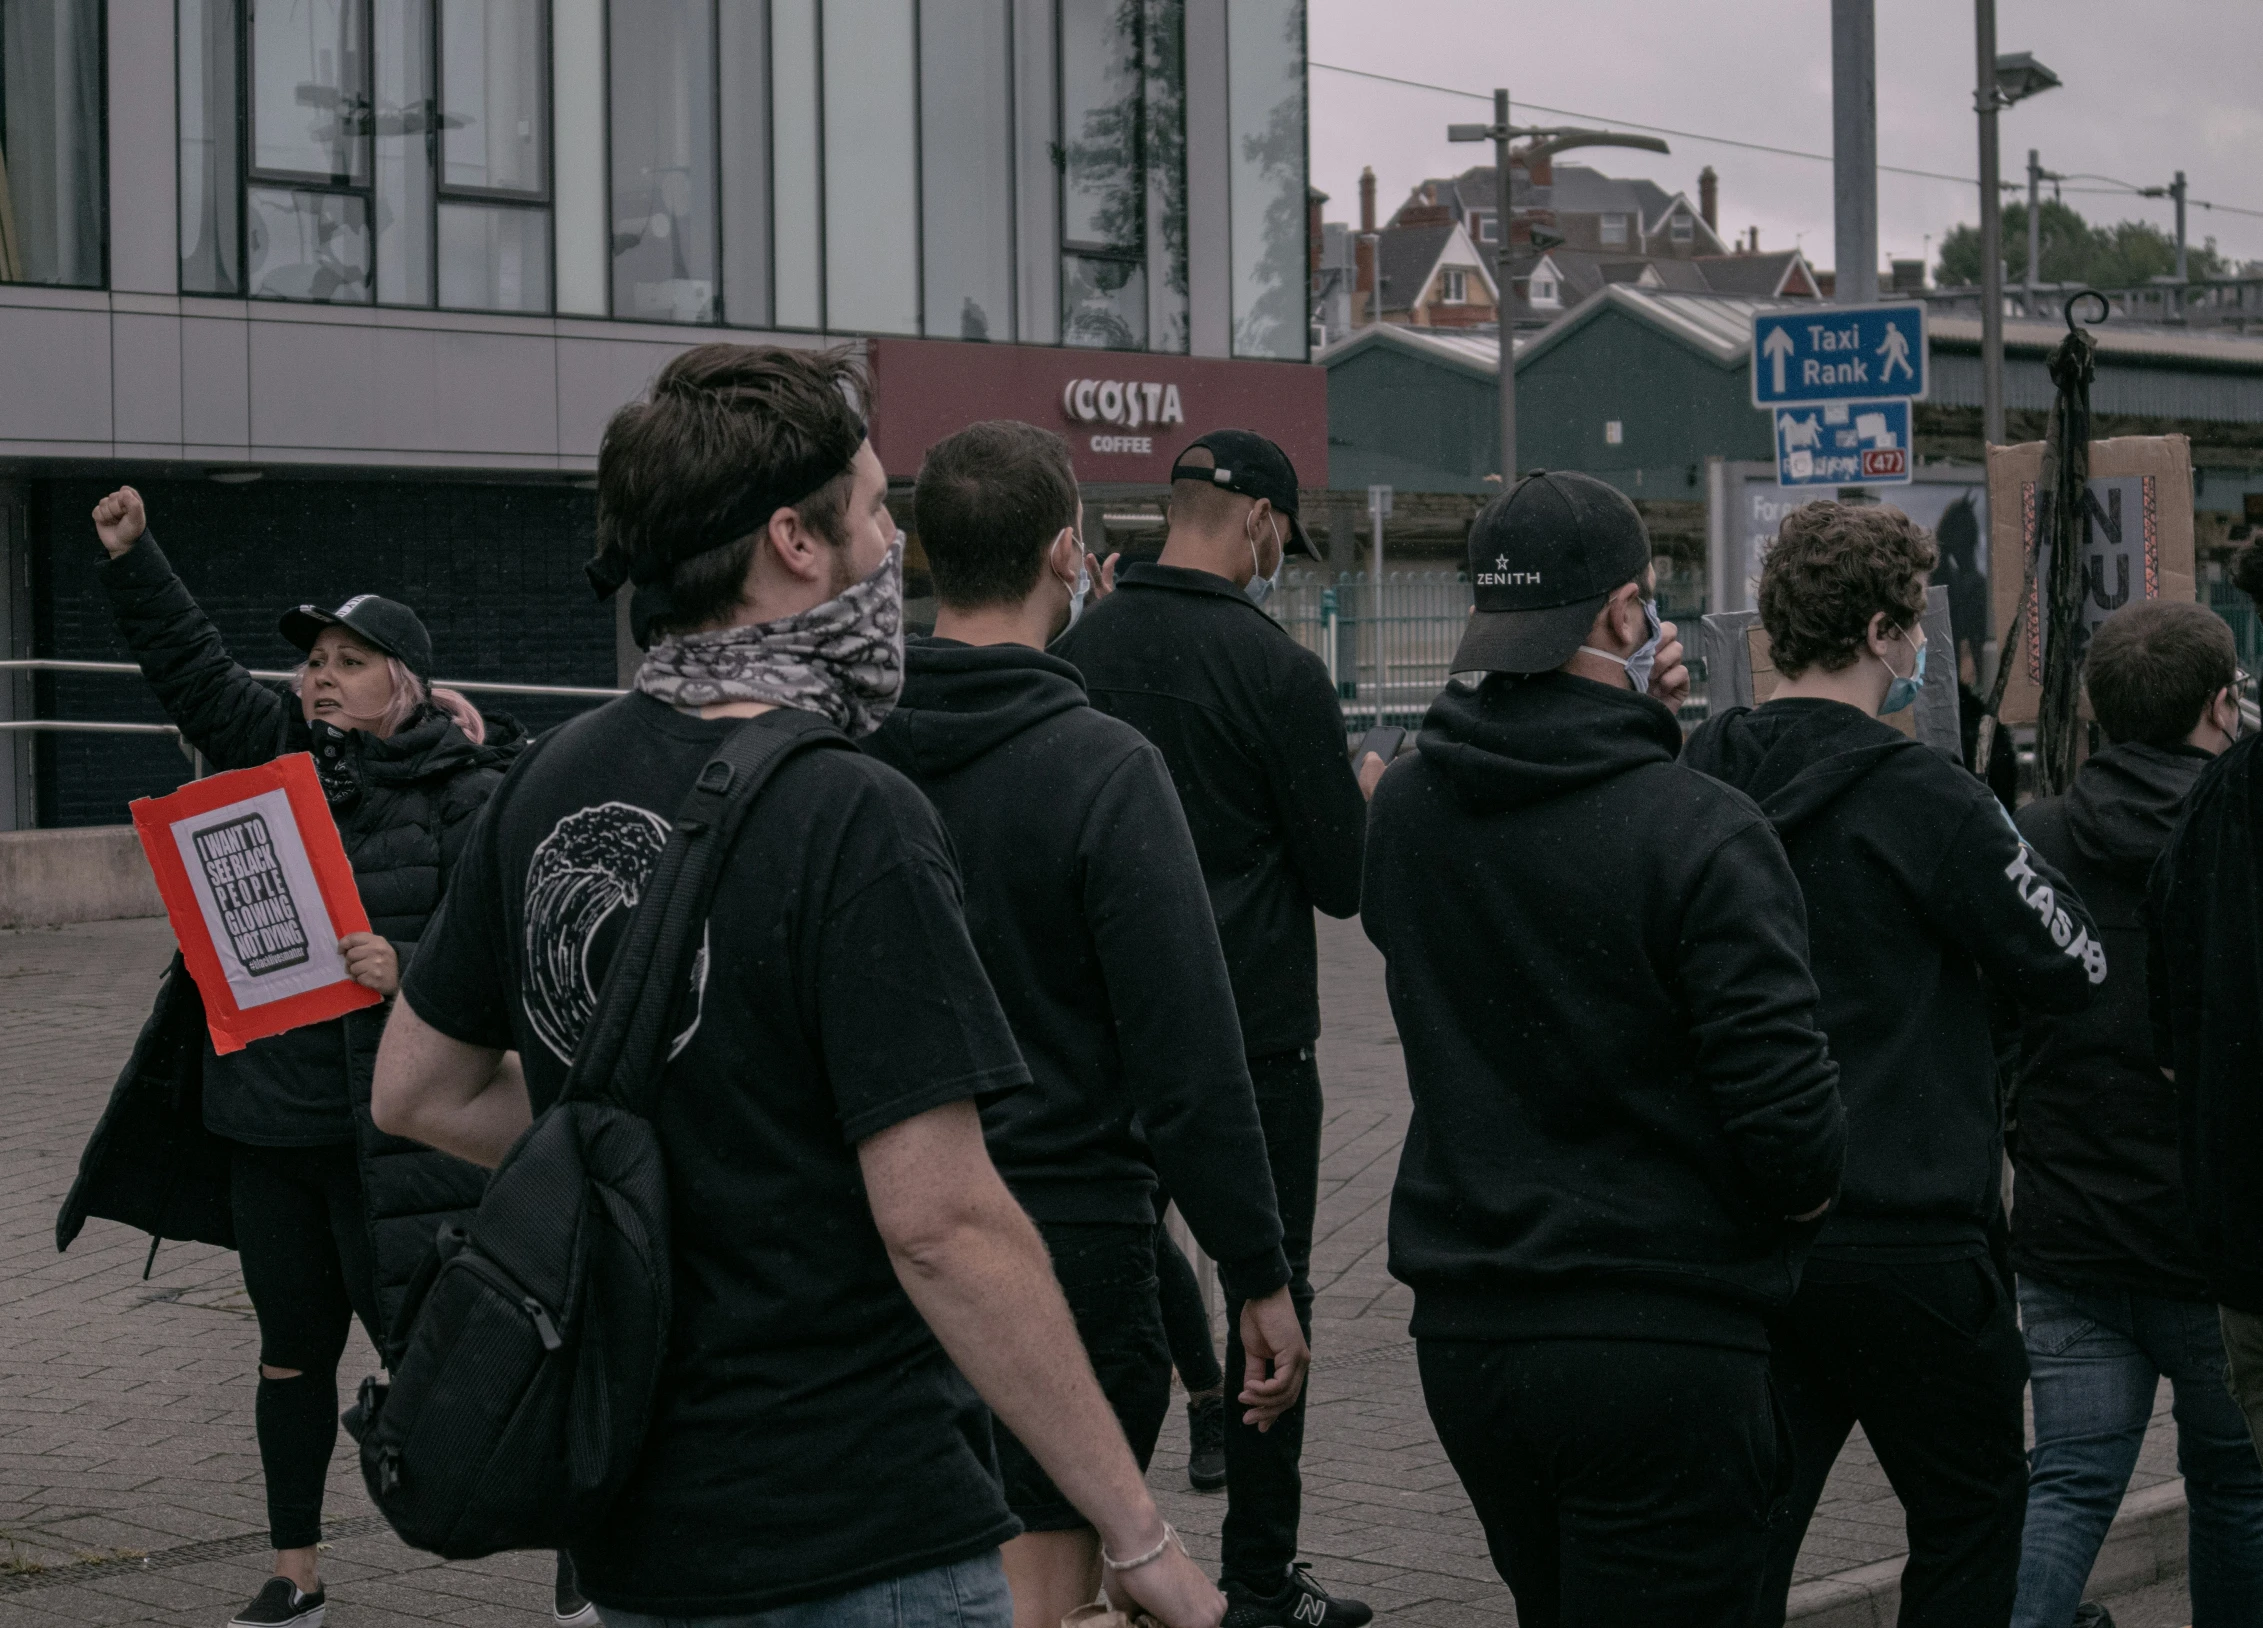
(1895, 349)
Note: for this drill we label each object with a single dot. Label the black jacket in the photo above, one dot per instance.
(1254, 736)
(1086, 904)
(1597, 965)
(150, 1162)
(2099, 1201)
(1916, 886)
(2206, 979)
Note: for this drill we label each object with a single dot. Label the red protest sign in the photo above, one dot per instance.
(259, 892)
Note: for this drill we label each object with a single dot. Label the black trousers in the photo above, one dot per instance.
(1264, 1477)
(1186, 1323)
(302, 1236)
(1618, 1481)
(1928, 1359)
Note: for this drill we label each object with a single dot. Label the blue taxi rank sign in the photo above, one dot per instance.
(1837, 353)
(1844, 443)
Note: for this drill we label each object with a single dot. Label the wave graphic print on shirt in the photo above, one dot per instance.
(583, 882)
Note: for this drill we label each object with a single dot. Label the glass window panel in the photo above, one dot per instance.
(663, 126)
(310, 89)
(798, 254)
(1166, 175)
(307, 245)
(1265, 111)
(404, 163)
(51, 202)
(582, 256)
(967, 167)
(494, 128)
(743, 40)
(1103, 303)
(1102, 192)
(871, 168)
(210, 197)
(494, 257)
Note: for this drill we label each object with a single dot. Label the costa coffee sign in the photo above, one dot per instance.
(1124, 414)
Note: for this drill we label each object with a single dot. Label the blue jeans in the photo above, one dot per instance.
(2097, 1358)
(965, 1594)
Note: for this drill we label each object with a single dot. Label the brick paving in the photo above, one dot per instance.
(129, 1480)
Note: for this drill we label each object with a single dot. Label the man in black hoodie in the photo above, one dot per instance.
(1086, 904)
(2112, 1294)
(1623, 1109)
(1254, 736)
(1918, 889)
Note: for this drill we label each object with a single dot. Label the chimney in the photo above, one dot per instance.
(1755, 245)
(1709, 196)
(1367, 199)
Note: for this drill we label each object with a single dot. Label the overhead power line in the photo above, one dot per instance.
(1747, 146)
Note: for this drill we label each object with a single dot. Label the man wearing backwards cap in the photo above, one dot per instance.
(1626, 1124)
(1250, 726)
(843, 1252)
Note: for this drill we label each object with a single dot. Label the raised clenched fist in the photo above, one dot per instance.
(119, 521)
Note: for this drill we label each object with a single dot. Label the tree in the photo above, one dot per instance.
(2123, 255)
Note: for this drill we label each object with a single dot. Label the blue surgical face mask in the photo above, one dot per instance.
(1259, 586)
(1645, 658)
(1903, 691)
(1083, 587)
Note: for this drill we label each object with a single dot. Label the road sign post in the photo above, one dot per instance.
(1838, 353)
(1378, 511)
(1844, 443)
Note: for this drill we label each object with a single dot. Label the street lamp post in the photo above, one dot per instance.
(1547, 141)
(2002, 82)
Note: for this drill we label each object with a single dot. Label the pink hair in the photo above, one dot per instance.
(410, 693)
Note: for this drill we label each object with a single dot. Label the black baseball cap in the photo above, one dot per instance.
(1543, 557)
(1244, 461)
(382, 624)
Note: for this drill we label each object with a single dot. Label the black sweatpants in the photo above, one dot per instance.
(1264, 1475)
(303, 1239)
(1618, 1481)
(1928, 1359)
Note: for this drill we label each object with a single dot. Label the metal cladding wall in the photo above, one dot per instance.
(494, 570)
(1674, 408)
(1411, 422)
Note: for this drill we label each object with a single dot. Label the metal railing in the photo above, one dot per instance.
(1388, 646)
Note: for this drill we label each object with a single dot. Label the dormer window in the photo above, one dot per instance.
(1680, 229)
(1614, 231)
(1544, 293)
(1453, 288)
(1487, 230)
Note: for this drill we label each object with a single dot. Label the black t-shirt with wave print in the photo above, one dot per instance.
(811, 1436)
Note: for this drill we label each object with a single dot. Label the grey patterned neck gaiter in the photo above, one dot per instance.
(843, 660)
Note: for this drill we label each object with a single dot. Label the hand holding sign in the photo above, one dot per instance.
(371, 962)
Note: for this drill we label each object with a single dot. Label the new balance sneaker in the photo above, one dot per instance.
(568, 1607)
(1301, 1603)
(280, 1604)
(1206, 1442)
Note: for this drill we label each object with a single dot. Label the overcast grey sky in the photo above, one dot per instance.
(2148, 89)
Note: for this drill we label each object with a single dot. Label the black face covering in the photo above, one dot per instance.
(651, 565)
(337, 763)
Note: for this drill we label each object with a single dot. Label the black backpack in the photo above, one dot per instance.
(530, 1342)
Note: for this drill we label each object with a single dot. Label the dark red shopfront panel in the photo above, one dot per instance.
(1125, 414)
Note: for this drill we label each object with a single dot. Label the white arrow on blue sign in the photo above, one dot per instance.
(1843, 443)
(1837, 353)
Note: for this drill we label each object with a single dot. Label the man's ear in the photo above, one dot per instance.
(796, 545)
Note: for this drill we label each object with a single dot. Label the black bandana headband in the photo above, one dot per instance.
(750, 511)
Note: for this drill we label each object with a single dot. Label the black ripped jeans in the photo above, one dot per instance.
(302, 1236)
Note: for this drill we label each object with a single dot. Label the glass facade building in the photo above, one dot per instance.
(51, 148)
(984, 170)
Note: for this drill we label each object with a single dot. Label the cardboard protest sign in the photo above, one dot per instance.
(259, 892)
(1741, 673)
(2137, 528)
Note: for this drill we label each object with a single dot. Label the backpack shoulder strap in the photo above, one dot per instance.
(623, 1050)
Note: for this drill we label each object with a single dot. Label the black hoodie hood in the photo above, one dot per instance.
(1794, 758)
(1518, 739)
(2126, 800)
(960, 701)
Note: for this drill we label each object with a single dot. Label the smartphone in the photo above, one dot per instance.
(1383, 740)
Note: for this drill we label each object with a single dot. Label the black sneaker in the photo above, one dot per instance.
(2090, 1614)
(281, 1605)
(568, 1607)
(1206, 1442)
(1302, 1603)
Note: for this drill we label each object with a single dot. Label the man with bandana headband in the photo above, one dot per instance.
(843, 1251)
(1086, 903)
(1250, 726)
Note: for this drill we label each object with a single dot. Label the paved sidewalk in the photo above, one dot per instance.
(129, 1481)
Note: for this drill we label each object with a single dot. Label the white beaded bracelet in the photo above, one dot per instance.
(1170, 1536)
